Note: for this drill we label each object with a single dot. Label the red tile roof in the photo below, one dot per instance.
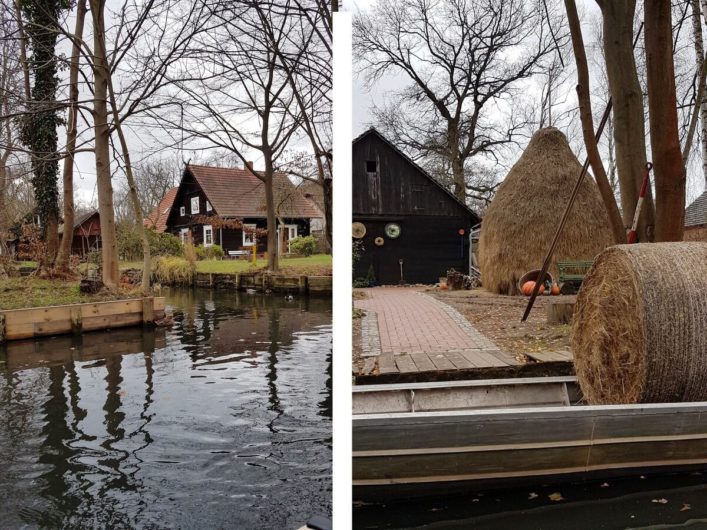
(157, 218)
(238, 193)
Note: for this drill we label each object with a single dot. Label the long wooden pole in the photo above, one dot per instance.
(565, 216)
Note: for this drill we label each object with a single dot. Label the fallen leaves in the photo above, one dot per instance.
(557, 497)
(660, 501)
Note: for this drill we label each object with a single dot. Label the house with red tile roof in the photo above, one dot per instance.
(157, 218)
(226, 207)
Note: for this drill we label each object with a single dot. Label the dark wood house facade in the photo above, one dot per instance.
(413, 228)
(226, 207)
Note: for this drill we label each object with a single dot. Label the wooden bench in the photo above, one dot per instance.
(572, 274)
(233, 254)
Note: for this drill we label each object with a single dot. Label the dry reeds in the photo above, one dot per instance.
(523, 216)
(639, 332)
(173, 270)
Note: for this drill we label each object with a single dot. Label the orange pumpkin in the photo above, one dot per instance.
(528, 287)
(555, 289)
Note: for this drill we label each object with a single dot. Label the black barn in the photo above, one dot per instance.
(406, 215)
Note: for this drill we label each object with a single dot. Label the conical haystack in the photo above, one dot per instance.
(522, 218)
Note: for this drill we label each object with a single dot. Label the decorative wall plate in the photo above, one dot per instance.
(358, 230)
(392, 230)
(379, 241)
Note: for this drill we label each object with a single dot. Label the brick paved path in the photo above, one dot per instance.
(409, 331)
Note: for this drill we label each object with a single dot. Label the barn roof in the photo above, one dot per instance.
(157, 218)
(696, 213)
(238, 193)
(79, 220)
(375, 132)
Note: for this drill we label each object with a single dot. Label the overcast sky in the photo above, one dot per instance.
(364, 99)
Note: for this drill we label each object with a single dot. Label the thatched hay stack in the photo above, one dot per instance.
(523, 217)
(639, 332)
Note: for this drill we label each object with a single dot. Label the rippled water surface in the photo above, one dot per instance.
(224, 420)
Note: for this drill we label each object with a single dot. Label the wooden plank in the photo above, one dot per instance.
(423, 362)
(441, 362)
(386, 364)
(405, 364)
(550, 356)
(458, 360)
(482, 359)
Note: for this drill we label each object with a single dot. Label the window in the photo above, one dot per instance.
(182, 211)
(248, 235)
(371, 166)
(195, 204)
(208, 235)
(184, 234)
(208, 206)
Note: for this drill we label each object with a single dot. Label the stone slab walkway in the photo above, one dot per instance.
(405, 330)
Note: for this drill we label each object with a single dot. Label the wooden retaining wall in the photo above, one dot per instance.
(263, 282)
(75, 318)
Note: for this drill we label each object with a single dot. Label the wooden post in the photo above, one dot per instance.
(2, 328)
(302, 285)
(238, 281)
(148, 310)
(75, 316)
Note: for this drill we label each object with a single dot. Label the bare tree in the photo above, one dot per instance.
(237, 96)
(665, 142)
(62, 258)
(585, 112)
(306, 57)
(628, 111)
(463, 59)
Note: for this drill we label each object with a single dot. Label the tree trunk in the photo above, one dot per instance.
(135, 199)
(627, 98)
(327, 192)
(663, 119)
(585, 113)
(703, 105)
(273, 260)
(456, 161)
(102, 149)
(62, 259)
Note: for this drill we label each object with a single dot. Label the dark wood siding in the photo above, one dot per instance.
(397, 187)
(387, 188)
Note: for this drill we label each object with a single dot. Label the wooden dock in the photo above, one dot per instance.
(76, 318)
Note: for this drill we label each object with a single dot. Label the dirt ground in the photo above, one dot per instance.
(498, 317)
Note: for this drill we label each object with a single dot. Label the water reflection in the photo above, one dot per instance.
(224, 420)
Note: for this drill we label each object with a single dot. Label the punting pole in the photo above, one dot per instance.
(563, 221)
(633, 233)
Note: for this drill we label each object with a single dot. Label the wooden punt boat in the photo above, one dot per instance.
(430, 437)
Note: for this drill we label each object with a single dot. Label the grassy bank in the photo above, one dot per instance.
(19, 293)
(317, 265)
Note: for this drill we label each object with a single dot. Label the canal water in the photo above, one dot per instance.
(221, 421)
(646, 501)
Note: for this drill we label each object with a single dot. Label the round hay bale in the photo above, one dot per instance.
(639, 331)
(522, 218)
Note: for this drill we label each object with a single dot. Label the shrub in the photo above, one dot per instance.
(130, 243)
(212, 252)
(173, 270)
(164, 244)
(303, 246)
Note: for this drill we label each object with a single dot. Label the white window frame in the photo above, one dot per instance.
(209, 208)
(183, 235)
(193, 203)
(249, 239)
(182, 211)
(210, 230)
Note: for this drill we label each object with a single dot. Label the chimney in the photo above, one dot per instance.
(249, 165)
